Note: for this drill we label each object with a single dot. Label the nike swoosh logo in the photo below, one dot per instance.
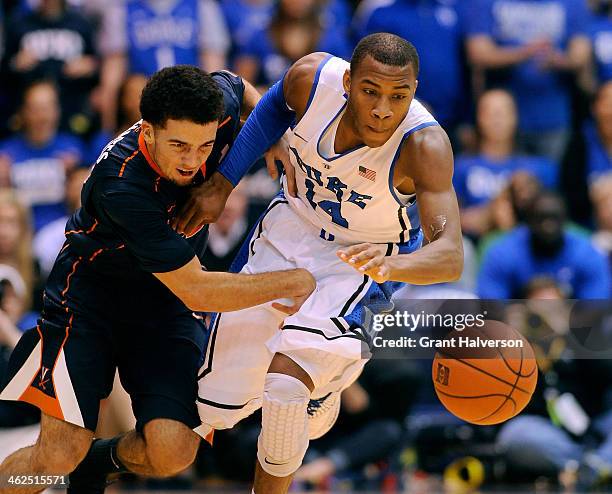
(277, 464)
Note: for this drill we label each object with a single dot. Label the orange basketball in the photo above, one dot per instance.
(488, 376)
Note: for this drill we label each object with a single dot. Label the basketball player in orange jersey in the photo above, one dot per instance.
(365, 152)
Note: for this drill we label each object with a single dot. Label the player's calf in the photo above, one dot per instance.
(59, 449)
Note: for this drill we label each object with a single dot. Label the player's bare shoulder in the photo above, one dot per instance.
(299, 80)
(427, 157)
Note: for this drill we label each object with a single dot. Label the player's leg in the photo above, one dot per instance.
(164, 448)
(237, 359)
(59, 449)
(64, 367)
(236, 362)
(158, 364)
(284, 434)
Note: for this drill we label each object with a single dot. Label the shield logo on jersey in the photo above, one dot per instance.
(367, 173)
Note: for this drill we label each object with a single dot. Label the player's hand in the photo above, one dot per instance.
(205, 204)
(368, 259)
(280, 152)
(306, 284)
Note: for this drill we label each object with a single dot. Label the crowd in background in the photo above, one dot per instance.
(523, 88)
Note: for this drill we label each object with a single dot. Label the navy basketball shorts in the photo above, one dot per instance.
(67, 364)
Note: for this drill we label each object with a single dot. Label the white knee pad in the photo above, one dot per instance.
(284, 433)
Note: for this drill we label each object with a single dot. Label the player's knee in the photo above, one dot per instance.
(284, 436)
(170, 446)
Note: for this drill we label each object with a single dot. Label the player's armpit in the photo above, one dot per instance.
(429, 155)
(207, 291)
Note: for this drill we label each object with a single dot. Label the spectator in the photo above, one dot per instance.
(36, 160)
(50, 238)
(589, 156)
(544, 247)
(601, 195)
(601, 36)
(143, 36)
(128, 113)
(565, 432)
(480, 179)
(12, 306)
(16, 240)
(297, 27)
(246, 17)
(16, 429)
(511, 206)
(54, 42)
(435, 29)
(538, 44)
(598, 135)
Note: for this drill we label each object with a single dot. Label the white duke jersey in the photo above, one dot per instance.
(350, 196)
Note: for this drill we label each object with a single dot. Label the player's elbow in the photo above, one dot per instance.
(201, 300)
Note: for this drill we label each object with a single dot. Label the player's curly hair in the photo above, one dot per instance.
(388, 49)
(182, 92)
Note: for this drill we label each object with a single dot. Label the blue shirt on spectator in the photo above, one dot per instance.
(434, 27)
(155, 34)
(38, 173)
(479, 179)
(601, 37)
(245, 18)
(509, 265)
(598, 161)
(273, 64)
(542, 96)
(160, 41)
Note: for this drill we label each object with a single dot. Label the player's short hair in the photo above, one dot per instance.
(388, 49)
(182, 92)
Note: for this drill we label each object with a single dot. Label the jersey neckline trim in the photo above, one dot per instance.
(329, 124)
(145, 152)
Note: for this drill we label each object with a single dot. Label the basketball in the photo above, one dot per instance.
(485, 375)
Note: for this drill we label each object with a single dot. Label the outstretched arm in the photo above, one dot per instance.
(428, 160)
(276, 111)
(207, 291)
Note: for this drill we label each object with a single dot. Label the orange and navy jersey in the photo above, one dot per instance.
(122, 233)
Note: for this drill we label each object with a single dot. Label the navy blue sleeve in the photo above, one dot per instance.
(141, 222)
(233, 92)
(265, 125)
(231, 85)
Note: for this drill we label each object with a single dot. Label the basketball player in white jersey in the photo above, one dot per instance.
(365, 153)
